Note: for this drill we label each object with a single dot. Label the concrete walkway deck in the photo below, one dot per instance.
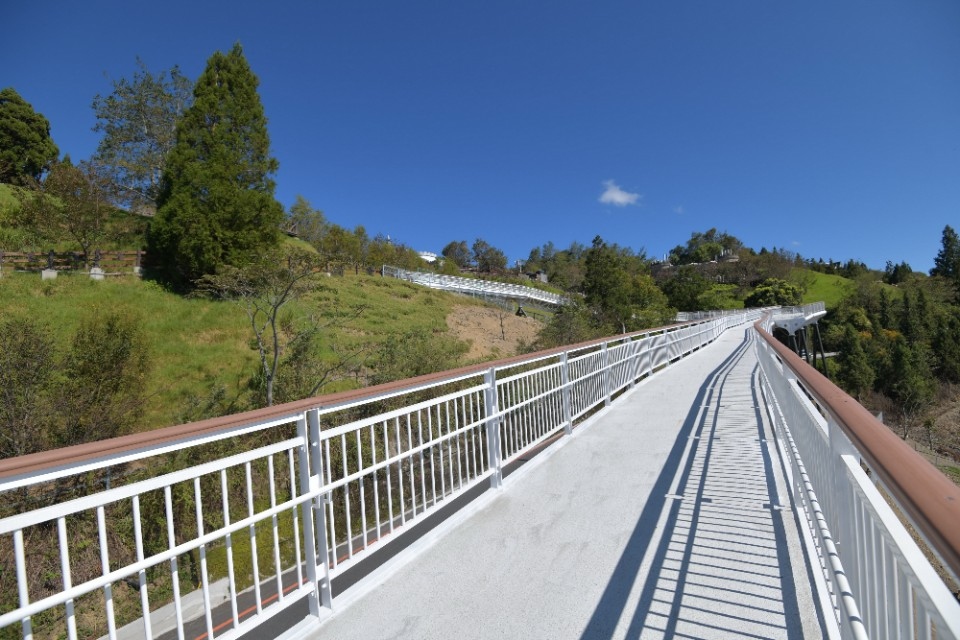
(663, 516)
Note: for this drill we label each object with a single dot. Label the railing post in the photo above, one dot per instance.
(313, 516)
(492, 409)
(633, 363)
(607, 376)
(566, 394)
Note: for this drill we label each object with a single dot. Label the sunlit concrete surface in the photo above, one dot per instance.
(663, 516)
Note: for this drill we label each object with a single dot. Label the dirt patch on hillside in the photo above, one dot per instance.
(480, 326)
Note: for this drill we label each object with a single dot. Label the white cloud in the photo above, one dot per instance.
(678, 210)
(616, 196)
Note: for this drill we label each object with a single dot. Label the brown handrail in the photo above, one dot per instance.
(58, 458)
(930, 499)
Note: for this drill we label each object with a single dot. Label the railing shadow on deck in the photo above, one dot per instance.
(678, 499)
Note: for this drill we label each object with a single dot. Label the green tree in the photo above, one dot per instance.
(896, 273)
(138, 121)
(216, 204)
(26, 148)
(571, 324)
(488, 258)
(947, 262)
(774, 292)
(705, 247)
(339, 246)
(884, 311)
(946, 347)
(457, 252)
(650, 305)
(104, 373)
(71, 203)
(415, 353)
(607, 286)
(306, 223)
(855, 374)
(27, 364)
(684, 289)
(913, 385)
(264, 288)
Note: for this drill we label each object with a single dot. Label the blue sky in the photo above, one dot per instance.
(827, 128)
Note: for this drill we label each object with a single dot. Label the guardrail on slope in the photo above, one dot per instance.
(475, 286)
(324, 481)
(880, 583)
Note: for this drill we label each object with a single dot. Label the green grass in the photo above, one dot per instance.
(826, 288)
(7, 197)
(951, 472)
(197, 345)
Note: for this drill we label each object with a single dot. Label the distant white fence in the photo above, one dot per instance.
(475, 286)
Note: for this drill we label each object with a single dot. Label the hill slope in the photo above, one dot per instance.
(201, 349)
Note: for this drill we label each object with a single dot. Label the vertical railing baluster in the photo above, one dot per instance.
(309, 483)
(411, 467)
(403, 508)
(459, 436)
(363, 495)
(326, 467)
(422, 451)
(65, 575)
(376, 483)
(347, 507)
(450, 437)
(254, 555)
(105, 568)
(23, 590)
(389, 474)
(276, 529)
(566, 393)
(228, 542)
(142, 574)
(492, 427)
(174, 569)
(204, 576)
(294, 494)
(322, 548)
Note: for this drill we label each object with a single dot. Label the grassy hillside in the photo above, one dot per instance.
(200, 345)
(822, 287)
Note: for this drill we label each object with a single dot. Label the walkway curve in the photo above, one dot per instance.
(662, 516)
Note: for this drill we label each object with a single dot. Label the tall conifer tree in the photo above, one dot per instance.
(26, 149)
(216, 205)
(947, 262)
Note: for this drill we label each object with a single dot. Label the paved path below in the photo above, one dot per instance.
(664, 516)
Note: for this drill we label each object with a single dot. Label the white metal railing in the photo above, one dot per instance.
(691, 316)
(872, 572)
(277, 502)
(475, 286)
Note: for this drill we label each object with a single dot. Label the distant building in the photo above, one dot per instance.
(428, 256)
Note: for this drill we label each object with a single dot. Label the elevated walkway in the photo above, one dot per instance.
(665, 515)
(621, 488)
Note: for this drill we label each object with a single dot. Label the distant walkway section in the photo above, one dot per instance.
(665, 515)
(476, 287)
